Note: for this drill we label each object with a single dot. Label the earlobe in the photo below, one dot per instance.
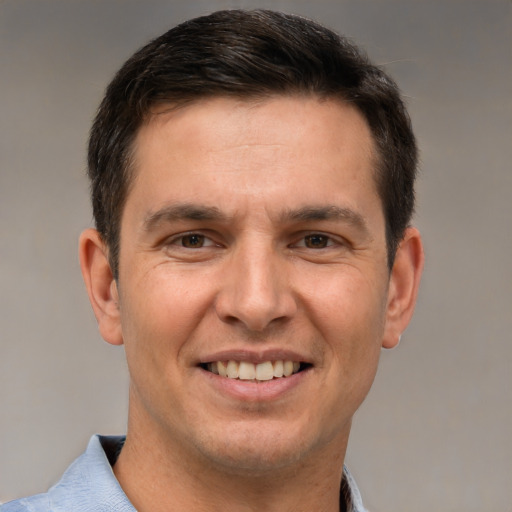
(403, 287)
(101, 285)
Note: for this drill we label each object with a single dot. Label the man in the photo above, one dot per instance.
(252, 185)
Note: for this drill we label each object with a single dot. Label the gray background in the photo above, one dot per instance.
(435, 432)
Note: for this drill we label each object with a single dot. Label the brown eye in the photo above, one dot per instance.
(193, 241)
(316, 241)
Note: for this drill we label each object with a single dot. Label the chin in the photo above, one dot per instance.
(256, 461)
(257, 450)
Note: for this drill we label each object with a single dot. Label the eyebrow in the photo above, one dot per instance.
(182, 211)
(336, 213)
(189, 211)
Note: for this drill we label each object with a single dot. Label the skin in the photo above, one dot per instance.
(253, 231)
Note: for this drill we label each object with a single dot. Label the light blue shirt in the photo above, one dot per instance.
(89, 485)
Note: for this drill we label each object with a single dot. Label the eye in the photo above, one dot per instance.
(192, 241)
(317, 241)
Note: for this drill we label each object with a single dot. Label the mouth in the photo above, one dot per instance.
(259, 372)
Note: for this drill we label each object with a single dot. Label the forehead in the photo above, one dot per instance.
(276, 147)
(278, 113)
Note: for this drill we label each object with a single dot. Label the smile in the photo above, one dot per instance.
(245, 370)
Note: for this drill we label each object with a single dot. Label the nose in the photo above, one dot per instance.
(256, 291)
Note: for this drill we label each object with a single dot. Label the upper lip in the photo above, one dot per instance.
(253, 356)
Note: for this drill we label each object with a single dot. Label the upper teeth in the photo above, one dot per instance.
(249, 371)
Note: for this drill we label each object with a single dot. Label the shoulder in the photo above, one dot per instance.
(87, 485)
(36, 503)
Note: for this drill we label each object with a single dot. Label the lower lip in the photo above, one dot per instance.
(250, 391)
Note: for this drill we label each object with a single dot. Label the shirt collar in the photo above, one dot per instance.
(350, 493)
(89, 483)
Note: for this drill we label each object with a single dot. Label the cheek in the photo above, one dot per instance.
(347, 305)
(159, 320)
(349, 315)
(160, 313)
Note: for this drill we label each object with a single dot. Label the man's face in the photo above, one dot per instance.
(253, 238)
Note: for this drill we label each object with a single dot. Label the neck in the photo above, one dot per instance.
(158, 476)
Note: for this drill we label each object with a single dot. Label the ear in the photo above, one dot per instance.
(403, 287)
(101, 285)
